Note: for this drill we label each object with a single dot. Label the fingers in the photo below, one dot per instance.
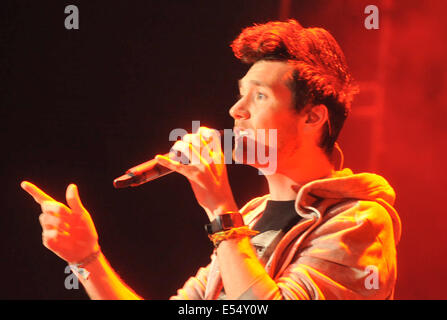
(55, 240)
(199, 152)
(208, 133)
(55, 231)
(51, 222)
(202, 138)
(55, 208)
(38, 195)
(212, 150)
(188, 150)
(50, 205)
(187, 163)
(49, 237)
(169, 163)
(73, 199)
(201, 147)
(47, 203)
(193, 139)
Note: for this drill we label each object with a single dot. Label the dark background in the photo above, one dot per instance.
(84, 105)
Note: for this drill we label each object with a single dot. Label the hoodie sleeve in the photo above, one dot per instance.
(350, 255)
(194, 287)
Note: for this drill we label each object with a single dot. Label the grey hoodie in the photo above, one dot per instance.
(343, 248)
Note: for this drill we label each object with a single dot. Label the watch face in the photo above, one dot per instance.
(226, 221)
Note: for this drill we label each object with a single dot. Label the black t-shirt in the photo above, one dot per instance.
(278, 215)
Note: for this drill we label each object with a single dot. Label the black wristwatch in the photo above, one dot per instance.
(224, 222)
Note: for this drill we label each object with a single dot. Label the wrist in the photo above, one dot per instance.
(228, 226)
(84, 267)
(233, 234)
(87, 259)
(223, 209)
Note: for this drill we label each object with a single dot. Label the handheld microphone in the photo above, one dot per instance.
(142, 173)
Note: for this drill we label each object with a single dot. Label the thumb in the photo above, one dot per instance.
(167, 162)
(73, 200)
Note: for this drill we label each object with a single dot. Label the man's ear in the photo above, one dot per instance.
(316, 116)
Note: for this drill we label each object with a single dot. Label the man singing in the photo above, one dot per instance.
(322, 232)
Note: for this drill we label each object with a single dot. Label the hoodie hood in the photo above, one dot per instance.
(346, 185)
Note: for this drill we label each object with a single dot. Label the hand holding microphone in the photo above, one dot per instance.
(145, 172)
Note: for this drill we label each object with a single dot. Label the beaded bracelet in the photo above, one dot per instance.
(232, 233)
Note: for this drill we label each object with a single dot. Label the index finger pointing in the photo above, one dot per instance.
(38, 195)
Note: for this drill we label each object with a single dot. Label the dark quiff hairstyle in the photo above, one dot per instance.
(320, 74)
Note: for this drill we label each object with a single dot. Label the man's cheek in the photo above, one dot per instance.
(257, 147)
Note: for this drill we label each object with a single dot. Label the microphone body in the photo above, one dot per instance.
(140, 174)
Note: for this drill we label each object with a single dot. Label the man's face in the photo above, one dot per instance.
(266, 103)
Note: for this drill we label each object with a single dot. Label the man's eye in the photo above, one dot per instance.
(260, 96)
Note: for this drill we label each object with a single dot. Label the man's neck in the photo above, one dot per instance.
(299, 170)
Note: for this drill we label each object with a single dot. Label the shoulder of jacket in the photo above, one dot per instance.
(361, 211)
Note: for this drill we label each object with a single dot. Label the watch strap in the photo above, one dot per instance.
(224, 222)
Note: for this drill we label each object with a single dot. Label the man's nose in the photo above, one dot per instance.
(239, 111)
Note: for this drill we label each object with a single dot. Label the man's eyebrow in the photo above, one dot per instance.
(255, 82)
